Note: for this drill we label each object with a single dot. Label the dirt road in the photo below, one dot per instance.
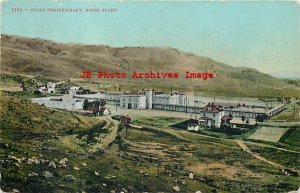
(246, 149)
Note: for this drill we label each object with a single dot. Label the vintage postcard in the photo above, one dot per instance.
(150, 96)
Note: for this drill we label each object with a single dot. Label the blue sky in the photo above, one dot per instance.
(261, 35)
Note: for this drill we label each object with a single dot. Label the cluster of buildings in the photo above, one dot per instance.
(211, 115)
(235, 114)
(50, 87)
(144, 100)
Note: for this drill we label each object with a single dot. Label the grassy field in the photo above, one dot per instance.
(272, 134)
(157, 121)
(288, 159)
(293, 137)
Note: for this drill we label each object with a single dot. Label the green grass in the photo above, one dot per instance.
(291, 138)
(272, 134)
(157, 121)
(287, 159)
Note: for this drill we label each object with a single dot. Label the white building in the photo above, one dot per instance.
(112, 98)
(186, 98)
(149, 98)
(73, 89)
(48, 88)
(247, 112)
(51, 87)
(104, 111)
(211, 116)
(193, 127)
(43, 89)
(129, 101)
(166, 99)
(144, 100)
(59, 102)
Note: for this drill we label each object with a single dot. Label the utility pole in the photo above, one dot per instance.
(271, 105)
(126, 130)
(294, 112)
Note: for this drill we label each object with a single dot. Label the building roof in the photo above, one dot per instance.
(102, 109)
(163, 95)
(74, 88)
(225, 104)
(114, 93)
(249, 110)
(93, 108)
(211, 108)
(125, 119)
(166, 96)
(132, 95)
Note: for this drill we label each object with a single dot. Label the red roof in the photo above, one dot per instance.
(102, 109)
(211, 108)
(93, 108)
(125, 120)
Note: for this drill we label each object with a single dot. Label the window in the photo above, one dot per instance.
(135, 100)
(129, 99)
(214, 115)
(135, 106)
(124, 105)
(203, 114)
(214, 121)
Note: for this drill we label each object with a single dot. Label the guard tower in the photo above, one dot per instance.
(149, 97)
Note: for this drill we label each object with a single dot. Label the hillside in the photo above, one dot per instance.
(61, 61)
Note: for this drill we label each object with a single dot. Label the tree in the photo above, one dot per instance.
(97, 103)
(261, 118)
(102, 102)
(86, 104)
(37, 92)
(228, 121)
(243, 118)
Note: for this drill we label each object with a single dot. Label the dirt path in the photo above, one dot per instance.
(246, 149)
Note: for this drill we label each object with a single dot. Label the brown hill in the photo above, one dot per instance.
(57, 60)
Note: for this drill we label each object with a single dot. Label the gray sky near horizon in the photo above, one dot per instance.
(260, 35)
